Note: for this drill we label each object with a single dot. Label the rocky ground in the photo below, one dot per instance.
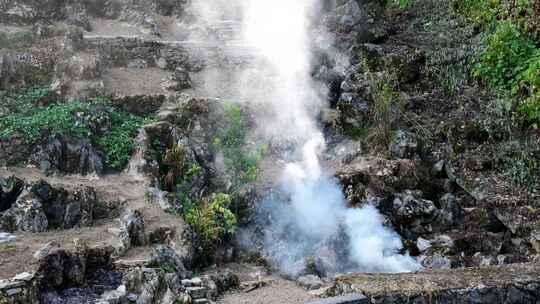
(75, 230)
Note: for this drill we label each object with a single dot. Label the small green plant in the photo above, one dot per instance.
(496, 117)
(212, 220)
(529, 111)
(403, 4)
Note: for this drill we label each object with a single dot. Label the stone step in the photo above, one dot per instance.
(201, 301)
(197, 292)
(353, 298)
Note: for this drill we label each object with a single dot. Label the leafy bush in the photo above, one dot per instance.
(507, 56)
(212, 220)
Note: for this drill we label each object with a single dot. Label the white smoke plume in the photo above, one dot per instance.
(313, 219)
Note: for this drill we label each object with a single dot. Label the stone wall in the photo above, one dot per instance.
(511, 284)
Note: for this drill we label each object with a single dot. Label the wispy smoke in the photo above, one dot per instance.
(310, 218)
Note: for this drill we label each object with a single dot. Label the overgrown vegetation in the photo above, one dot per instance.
(241, 161)
(212, 220)
(180, 172)
(30, 111)
(525, 14)
(511, 59)
(384, 113)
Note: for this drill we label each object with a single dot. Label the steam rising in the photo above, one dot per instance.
(311, 218)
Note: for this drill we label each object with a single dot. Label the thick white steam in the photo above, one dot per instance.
(313, 220)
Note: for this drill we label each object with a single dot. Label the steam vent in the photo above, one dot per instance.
(269, 151)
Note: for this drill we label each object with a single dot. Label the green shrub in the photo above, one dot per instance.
(385, 111)
(212, 220)
(528, 81)
(231, 139)
(507, 56)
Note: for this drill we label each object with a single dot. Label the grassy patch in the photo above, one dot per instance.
(525, 14)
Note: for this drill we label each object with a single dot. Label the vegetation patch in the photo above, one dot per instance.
(28, 112)
(525, 14)
(241, 161)
(519, 160)
(212, 220)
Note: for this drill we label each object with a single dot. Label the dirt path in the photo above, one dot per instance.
(277, 290)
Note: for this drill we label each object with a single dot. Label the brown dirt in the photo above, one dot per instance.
(277, 291)
(133, 81)
(17, 256)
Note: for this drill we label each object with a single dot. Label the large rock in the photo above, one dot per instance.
(61, 268)
(404, 145)
(40, 207)
(153, 286)
(7, 70)
(10, 188)
(413, 214)
(166, 256)
(57, 153)
(132, 229)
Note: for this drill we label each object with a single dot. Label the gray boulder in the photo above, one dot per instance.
(58, 153)
(310, 282)
(166, 256)
(132, 228)
(10, 188)
(40, 207)
(404, 145)
(413, 214)
(7, 70)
